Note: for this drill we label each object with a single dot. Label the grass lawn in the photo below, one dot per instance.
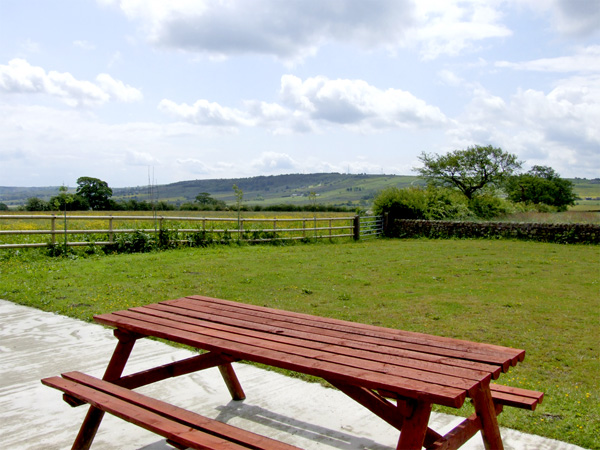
(543, 298)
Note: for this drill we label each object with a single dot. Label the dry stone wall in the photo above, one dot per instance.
(543, 232)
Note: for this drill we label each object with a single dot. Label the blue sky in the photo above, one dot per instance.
(180, 90)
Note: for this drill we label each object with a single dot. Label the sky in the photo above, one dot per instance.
(150, 91)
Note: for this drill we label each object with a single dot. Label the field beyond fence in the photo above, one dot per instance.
(46, 230)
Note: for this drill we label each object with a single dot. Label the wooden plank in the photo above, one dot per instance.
(419, 342)
(516, 397)
(173, 413)
(341, 345)
(171, 370)
(139, 416)
(350, 327)
(294, 347)
(358, 358)
(405, 387)
(442, 356)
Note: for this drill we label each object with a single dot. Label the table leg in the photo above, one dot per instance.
(232, 382)
(114, 370)
(414, 428)
(486, 411)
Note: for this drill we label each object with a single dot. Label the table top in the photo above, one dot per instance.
(411, 365)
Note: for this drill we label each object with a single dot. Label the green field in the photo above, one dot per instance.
(543, 298)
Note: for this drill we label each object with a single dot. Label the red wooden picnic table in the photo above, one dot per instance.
(398, 375)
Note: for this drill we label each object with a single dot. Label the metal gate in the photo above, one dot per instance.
(369, 227)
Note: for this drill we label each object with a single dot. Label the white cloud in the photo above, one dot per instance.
(450, 27)
(558, 128)
(295, 29)
(577, 17)
(21, 77)
(117, 89)
(355, 103)
(571, 18)
(136, 158)
(203, 112)
(315, 104)
(584, 60)
(273, 162)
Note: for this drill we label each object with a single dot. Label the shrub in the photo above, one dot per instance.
(136, 242)
(417, 203)
(410, 203)
(487, 206)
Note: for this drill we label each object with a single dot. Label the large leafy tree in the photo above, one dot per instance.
(541, 185)
(469, 170)
(96, 192)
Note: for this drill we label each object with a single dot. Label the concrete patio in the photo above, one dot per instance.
(36, 344)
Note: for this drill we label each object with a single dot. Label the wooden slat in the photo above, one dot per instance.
(334, 331)
(442, 341)
(516, 397)
(427, 343)
(436, 373)
(294, 347)
(227, 436)
(139, 416)
(405, 387)
(171, 370)
(341, 345)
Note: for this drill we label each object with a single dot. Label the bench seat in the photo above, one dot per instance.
(181, 428)
(516, 397)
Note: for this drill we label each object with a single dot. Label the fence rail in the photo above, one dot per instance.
(243, 229)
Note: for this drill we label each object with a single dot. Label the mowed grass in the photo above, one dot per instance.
(543, 298)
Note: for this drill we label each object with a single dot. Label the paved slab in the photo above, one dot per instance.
(35, 344)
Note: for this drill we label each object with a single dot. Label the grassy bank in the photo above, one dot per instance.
(539, 297)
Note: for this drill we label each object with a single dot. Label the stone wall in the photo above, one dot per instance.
(563, 233)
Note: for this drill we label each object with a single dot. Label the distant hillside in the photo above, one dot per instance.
(331, 189)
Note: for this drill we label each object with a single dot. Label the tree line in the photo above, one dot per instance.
(478, 182)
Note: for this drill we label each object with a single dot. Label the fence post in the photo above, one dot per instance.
(386, 224)
(111, 234)
(356, 228)
(53, 225)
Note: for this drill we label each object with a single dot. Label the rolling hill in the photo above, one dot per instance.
(331, 189)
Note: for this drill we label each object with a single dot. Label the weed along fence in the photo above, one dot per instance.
(86, 230)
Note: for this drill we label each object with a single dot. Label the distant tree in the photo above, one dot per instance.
(204, 198)
(65, 201)
(239, 198)
(96, 192)
(541, 185)
(35, 204)
(3, 207)
(207, 202)
(469, 170)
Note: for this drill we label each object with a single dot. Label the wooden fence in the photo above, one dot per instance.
(243, 229)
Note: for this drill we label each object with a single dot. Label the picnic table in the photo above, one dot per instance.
(398, 375)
